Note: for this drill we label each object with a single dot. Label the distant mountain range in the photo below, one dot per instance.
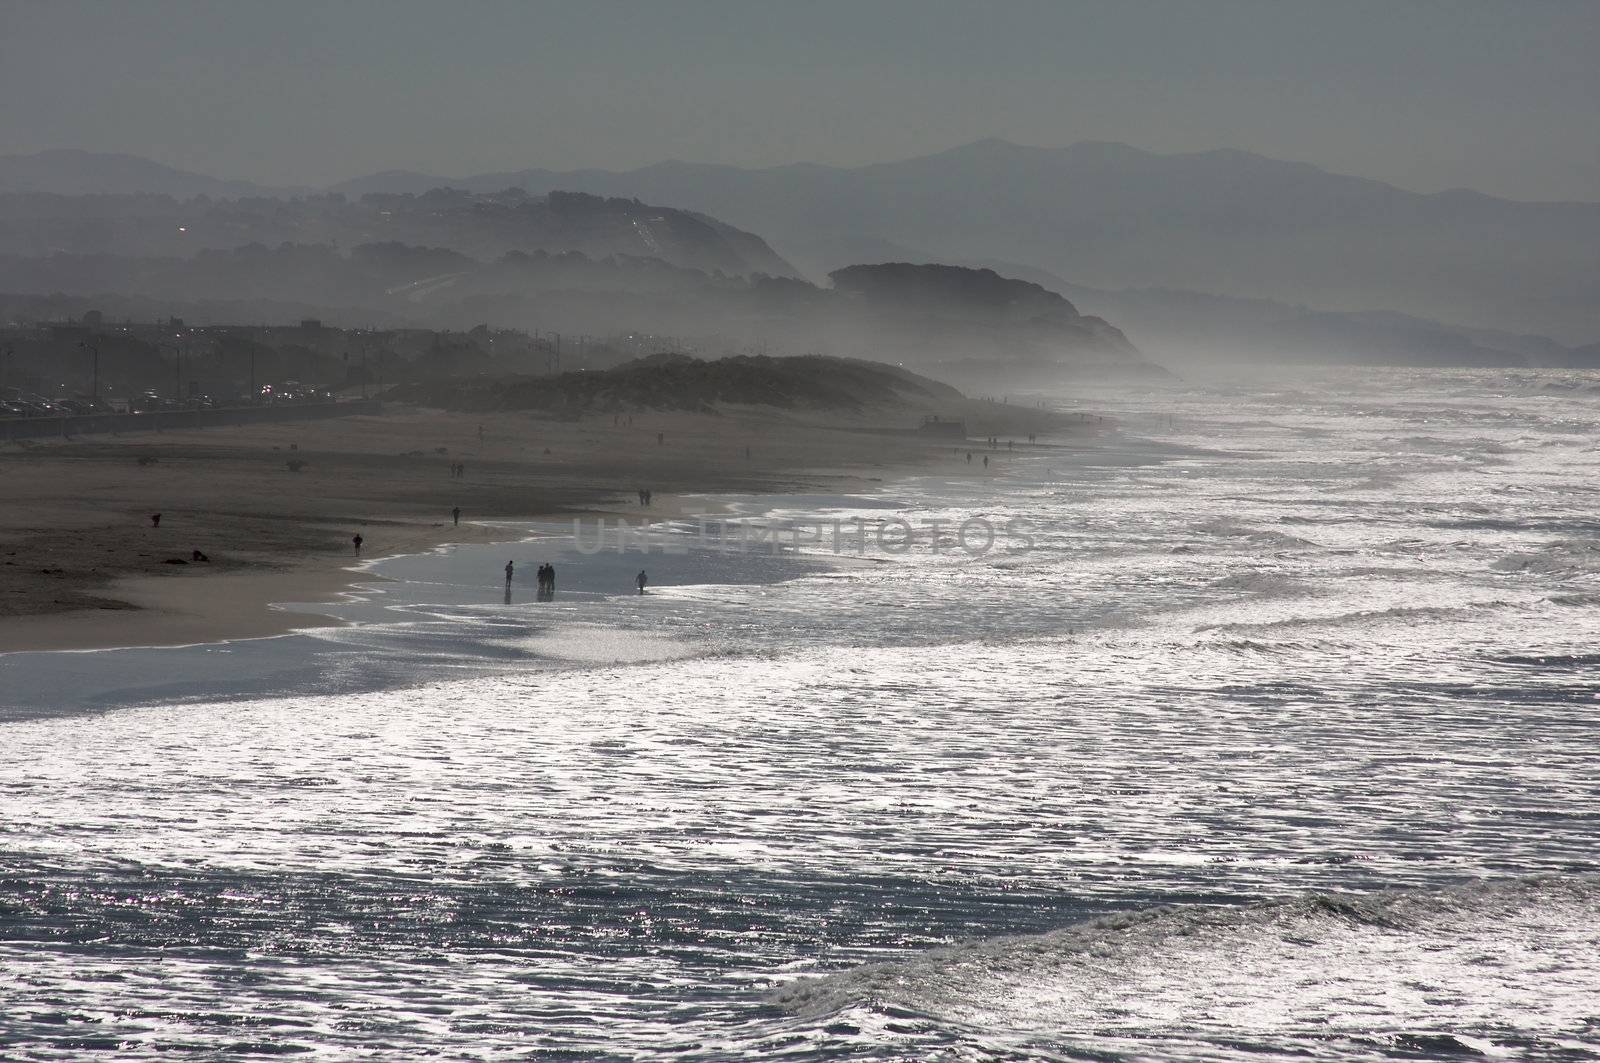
(1214, 253)
(1112, 216)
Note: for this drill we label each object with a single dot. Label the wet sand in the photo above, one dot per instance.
(82, 566)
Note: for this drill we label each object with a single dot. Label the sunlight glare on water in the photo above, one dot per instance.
(1279, 741)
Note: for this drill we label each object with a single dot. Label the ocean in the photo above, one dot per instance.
(1263, 728)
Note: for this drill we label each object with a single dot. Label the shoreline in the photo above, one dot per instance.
(262, 603)
(297, 555)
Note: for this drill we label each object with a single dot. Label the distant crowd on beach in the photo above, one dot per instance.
(546, 580)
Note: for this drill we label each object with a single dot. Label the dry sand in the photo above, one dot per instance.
(81, 565)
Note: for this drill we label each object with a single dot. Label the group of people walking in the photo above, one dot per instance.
(547, 579)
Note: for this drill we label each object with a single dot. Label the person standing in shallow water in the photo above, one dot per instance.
(455, 515)
(356, 541)
(511, 567)
(641, 580)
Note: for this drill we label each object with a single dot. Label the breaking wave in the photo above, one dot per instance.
(1492, 965)
(1362, 618)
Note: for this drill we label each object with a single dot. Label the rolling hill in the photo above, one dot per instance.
(484, 226)
(69, 172)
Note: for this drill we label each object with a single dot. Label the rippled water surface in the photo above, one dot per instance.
(1279, 741)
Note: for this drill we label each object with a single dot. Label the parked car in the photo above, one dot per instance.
(152, 402)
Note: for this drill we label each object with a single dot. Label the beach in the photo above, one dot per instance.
(83, 565)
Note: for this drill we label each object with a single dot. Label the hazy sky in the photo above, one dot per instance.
(1503, 97)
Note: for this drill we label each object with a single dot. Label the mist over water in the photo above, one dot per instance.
(1279, 741)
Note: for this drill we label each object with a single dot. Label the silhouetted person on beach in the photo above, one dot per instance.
(511, 567)
(648, 495)
(356, 541)
(641, 579)
(155, 520)
(549, 579)
(969, 457)
(986, 461)
(455, 515)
